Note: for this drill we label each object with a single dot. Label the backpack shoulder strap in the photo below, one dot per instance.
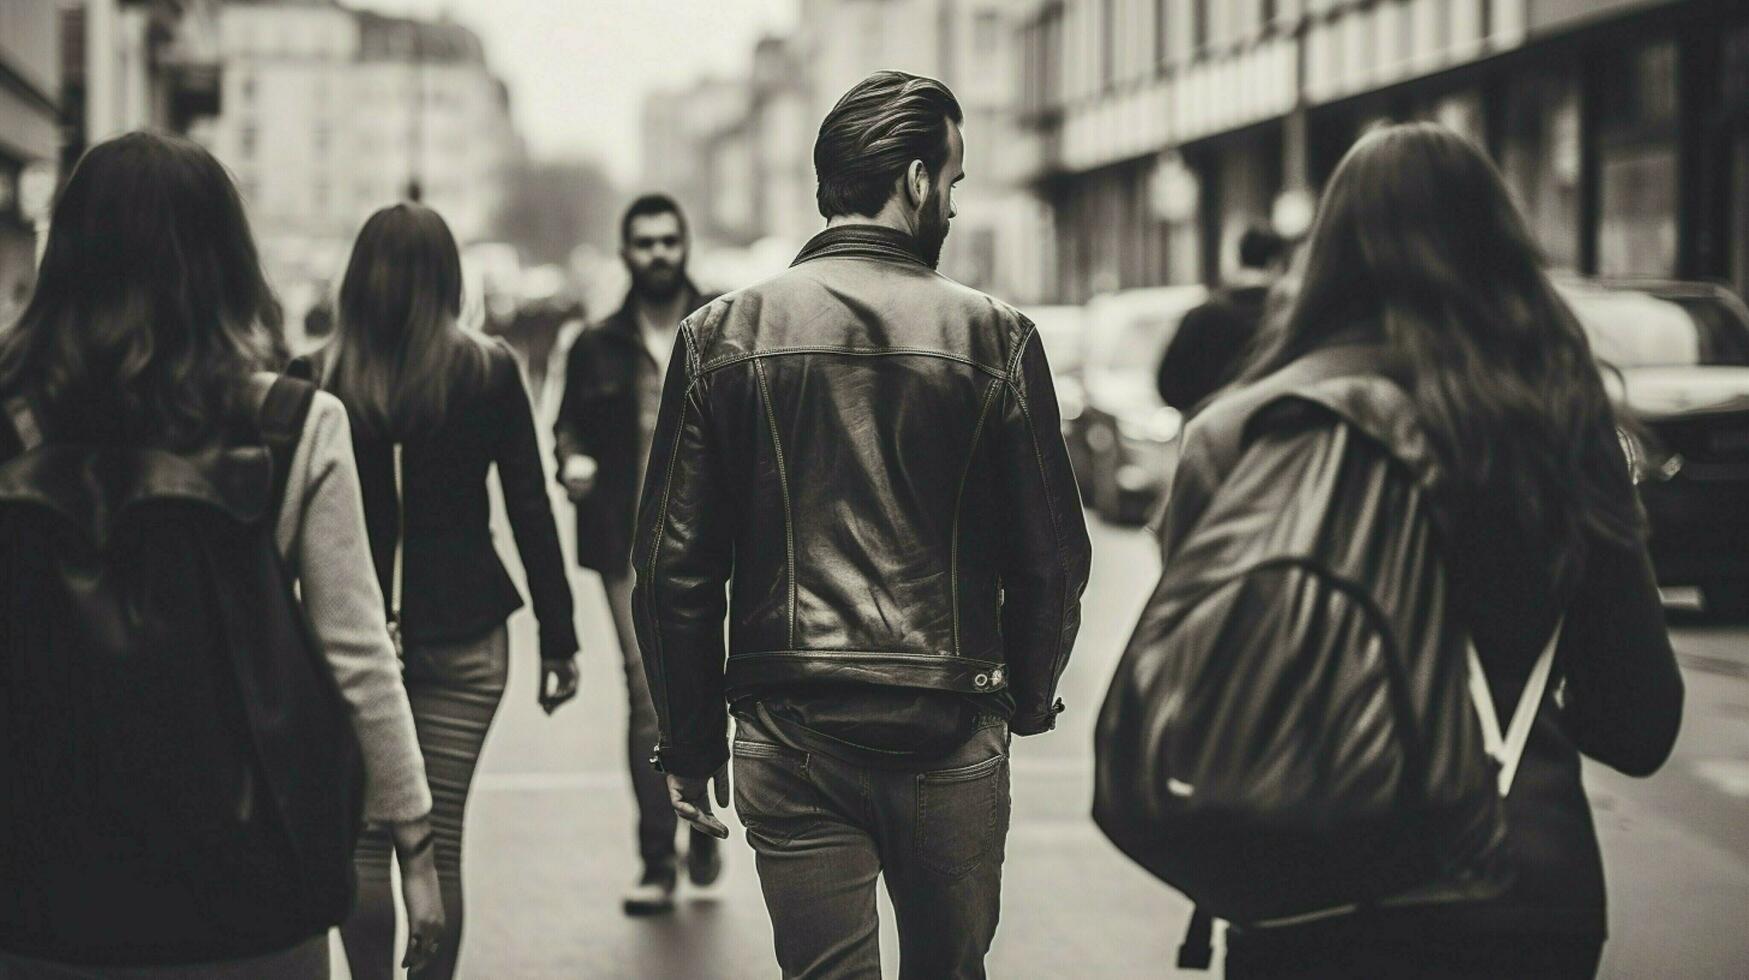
(24, 425)
(280, 422)
(1507, 747)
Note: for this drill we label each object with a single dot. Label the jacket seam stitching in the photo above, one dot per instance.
(953, 563)
(1058, 654)
(789, 533)
(1019, 352)
(656, 550)
(735, 359)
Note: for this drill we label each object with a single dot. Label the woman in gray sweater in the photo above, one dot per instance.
(148, 335)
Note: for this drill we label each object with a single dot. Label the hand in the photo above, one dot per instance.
(692, 802)
(416, 850)
(558, 683)
(578, 476)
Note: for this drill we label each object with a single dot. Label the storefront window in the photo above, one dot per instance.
(1637, 164)
(1539, 156)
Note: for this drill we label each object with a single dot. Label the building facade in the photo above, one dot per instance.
(30, 138)
(740, 152)
(330, 113)
(1159, 129)
(136, 64)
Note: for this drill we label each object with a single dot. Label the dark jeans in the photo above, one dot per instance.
(823, 830)
(656, 820)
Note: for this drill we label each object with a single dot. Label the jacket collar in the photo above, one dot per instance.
(862, 242)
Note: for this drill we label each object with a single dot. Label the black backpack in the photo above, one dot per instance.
(1298, 728)
(181, 780)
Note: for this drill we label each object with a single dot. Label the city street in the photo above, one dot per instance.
(549, 844)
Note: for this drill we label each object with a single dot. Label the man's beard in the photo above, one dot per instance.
(932, 228)
(659, 282)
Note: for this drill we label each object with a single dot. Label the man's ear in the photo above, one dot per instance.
(917, 184)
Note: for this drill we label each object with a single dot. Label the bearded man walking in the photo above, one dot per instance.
(607, 419)
(866, 456)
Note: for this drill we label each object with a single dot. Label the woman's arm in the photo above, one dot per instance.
(1624, 693)
(517, 453)
(323, 538)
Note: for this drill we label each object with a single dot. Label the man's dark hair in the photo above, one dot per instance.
(647, 205)
(1259, 248)
(874, 132)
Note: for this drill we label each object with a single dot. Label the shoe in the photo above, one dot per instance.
(653, 894)
(704, 860)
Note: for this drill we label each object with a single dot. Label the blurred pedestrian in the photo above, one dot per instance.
(319, 318)
(1212, 340)
(433, 408)
(1422, 288)
(868, 456)
(176, 774)
(607, 420)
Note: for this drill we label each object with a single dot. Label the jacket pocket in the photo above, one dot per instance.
(774, 796)
(962, 816)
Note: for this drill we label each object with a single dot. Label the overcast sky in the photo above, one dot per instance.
(579, 69)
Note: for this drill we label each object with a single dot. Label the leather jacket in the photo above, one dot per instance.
(867, 455)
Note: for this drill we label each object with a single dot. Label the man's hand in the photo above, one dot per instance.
(558, 683)
(578, 476)
(692, 801)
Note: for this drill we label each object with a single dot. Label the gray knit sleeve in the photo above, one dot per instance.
(321, 533)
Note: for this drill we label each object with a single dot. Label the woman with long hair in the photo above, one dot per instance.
(433, 408)
(147, 343)
(1419, 261)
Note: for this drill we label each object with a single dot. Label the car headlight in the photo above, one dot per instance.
(1161, 425)
(1646, 462)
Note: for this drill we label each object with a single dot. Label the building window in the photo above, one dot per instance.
(1734, 79)
(1199, 26)
(1162, 19)
(1107, 43)
(246, 141)
(1637, 162)
(1540, 158)
(246, 87)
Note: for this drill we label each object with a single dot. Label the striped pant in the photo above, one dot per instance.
(455, 689)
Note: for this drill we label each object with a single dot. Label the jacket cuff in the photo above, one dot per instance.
(1034, 722)
(691, 761)
(559, 643)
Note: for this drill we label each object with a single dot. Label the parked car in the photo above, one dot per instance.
(1062, 330)
(1676, 359)
(1130, 436)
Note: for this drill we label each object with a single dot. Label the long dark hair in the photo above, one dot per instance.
(1416, 232)
(398, 352)
(150, 311)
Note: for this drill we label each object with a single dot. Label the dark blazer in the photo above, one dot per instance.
(454, 586)
(599, 418)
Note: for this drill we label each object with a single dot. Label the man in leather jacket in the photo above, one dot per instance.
(613, 386)
(866, 456)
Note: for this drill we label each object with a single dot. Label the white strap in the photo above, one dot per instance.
(1508, 749)
(400, 537)
(30, 435)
